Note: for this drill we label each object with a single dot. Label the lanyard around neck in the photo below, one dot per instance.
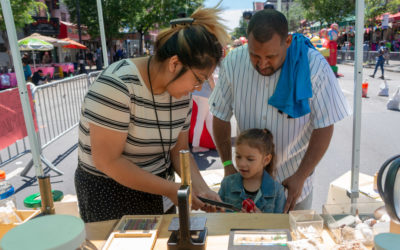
(166, 154)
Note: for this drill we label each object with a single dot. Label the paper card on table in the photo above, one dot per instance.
(240, 239)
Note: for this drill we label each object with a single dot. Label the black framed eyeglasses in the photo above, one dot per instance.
(199, 81)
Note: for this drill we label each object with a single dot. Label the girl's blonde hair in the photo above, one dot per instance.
(262, 140)
(198, 43)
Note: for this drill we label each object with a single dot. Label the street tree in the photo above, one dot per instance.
(375, 8)
(114, 15)
(241, 30)
(156, 14)
(129, 15)
(296, 14)
(328, 11)
(23, 10)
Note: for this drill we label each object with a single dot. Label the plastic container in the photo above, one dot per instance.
(8, 210)
(338, 215)
(6, 190)
(306, 224)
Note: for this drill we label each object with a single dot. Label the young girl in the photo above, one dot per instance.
(255, 177)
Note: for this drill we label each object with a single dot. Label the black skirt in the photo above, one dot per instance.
(101, 198)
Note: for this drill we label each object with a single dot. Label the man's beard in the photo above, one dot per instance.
(269, 71)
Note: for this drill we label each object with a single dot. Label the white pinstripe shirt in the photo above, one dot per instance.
(243, 92)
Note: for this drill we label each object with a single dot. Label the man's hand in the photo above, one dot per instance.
(319, 142)
(294, 185)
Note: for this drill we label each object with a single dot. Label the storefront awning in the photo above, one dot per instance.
(392, 17)
(70, 30)
(73, 44)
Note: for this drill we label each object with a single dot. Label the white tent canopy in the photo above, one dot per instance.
(10, 27)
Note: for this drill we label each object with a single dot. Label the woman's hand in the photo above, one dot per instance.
(208, 194)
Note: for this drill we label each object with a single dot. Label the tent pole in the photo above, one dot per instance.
(45, 190)
(358, 75)
(102, 33)
(34, 59)
(23, 93)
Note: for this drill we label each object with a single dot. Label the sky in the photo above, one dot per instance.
(233, 10)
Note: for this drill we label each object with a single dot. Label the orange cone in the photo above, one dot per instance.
(364, 89)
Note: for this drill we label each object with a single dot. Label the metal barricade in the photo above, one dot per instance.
(92, 77)
(57, 108)
(14, 151)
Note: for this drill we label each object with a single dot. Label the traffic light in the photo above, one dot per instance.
(248, 14)
(268, 5)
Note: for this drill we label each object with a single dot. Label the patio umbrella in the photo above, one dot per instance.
(49, 39)
(73, 44)
(29, 43)
(55, 41)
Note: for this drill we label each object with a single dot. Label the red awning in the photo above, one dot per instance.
(70, 30)
(396, 17)
(392, 17)
(73, 44)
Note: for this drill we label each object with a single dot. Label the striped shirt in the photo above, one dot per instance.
(243, 92)
(119, 100)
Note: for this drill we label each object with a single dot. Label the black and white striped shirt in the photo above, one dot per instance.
(243, 92)
(119, 100)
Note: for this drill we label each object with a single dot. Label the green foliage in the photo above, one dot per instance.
(113, 15)
(22, 12)
(157, 12)
(296, 14)
(327, 10)
(375, 8)
(241, 30)
(136, 15)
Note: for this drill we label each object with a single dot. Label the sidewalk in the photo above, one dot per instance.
(393, 66)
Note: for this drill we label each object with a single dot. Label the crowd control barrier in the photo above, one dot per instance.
(57, 110)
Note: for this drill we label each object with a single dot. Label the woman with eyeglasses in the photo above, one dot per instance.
(135, 120)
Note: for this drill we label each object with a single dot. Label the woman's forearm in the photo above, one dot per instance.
(128, 174)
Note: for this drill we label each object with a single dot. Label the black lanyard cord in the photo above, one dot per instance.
(166, 155)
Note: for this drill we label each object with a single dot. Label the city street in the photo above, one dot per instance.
(380, 139)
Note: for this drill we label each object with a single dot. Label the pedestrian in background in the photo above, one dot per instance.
(4, 79)
(380, 60)
(82, 66)
(99, 59)
(39, 78)
(46, 59)
(89, 59)
(27, 68)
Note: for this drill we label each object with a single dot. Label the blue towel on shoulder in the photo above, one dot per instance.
(294, 85)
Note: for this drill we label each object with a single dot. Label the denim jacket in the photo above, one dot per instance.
(273, 195)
